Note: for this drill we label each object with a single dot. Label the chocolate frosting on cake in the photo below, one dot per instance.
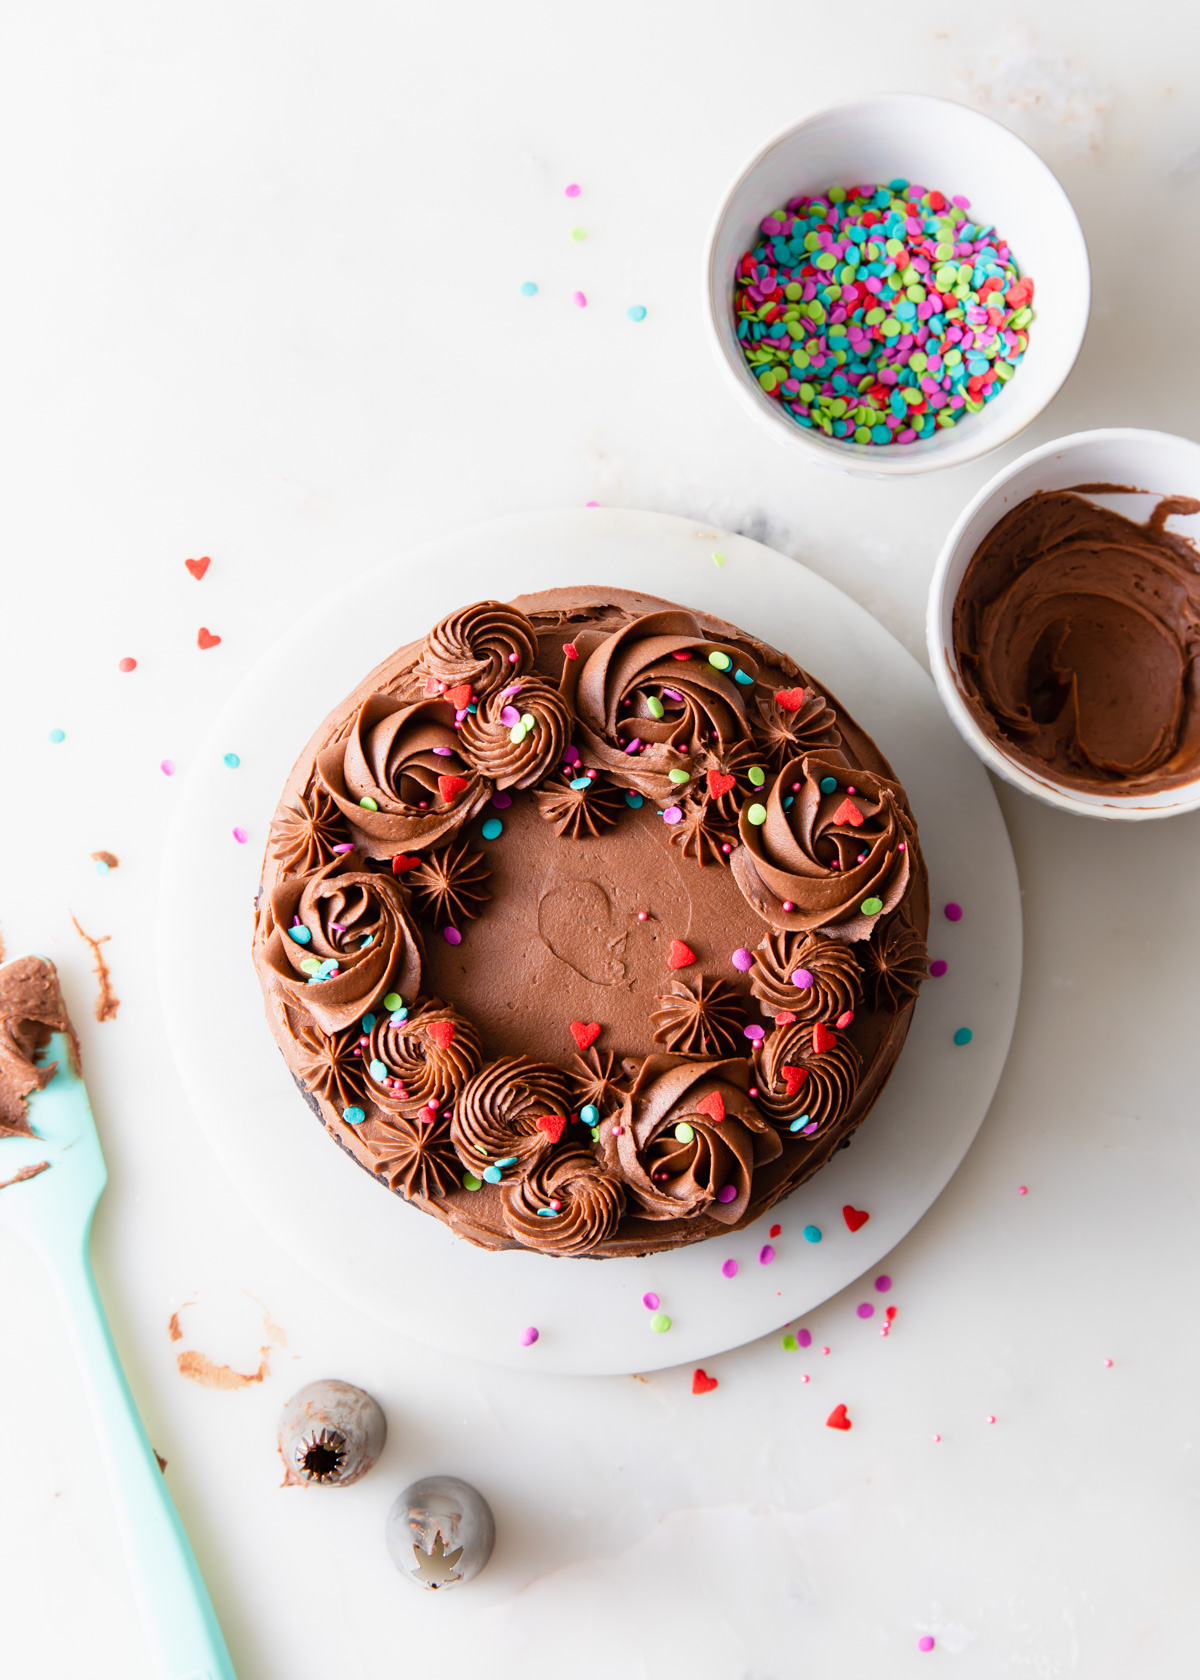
(31, 1008)
(1077, 639)
(438, 996)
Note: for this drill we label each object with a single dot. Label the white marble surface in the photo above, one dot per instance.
(261, 303)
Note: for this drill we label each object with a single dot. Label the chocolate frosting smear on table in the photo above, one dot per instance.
(505, 992)
(1077, 641)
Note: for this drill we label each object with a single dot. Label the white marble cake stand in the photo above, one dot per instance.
(406, 1267)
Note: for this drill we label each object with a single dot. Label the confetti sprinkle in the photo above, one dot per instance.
(167, 767)
(756, 814)
(672, 815)
(1107, 1363)
(56, 737)
(573, 190)
(804, 1338)
(127, 665)
(926, 1641)
(529, 288)
(578, 234)
(963, 1035)
(865, 1309)
(937, 968)
(452, 936)
(634, 800)
(492, 829)
(231, 760)
(470, 1182)
(206, 639)
(790, 1344)
(775, 1230)
(650, 1301)
(353, 1116)
(660, 1323)
(872, 906)
(729, 1268)
(828, 784)
(812, 1233)
(743, 959)
(990, 1418)
(198, 567)
(1022, 1189)
(883, 1283)
(766, 1254)
(953, 912)
(681, 955)
(637, 312)
(580, 300)
(240, 835)
(727, 1193)
(754, 1032)
(702, 1383)
(529, 1336)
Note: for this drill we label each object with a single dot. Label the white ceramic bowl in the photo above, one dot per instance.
(1151, 461)
(951, 149)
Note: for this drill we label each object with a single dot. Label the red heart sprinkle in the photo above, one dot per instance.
(713, 1104)
(206, 639)
(848, 812)
(838, 1419)
(822, 1038)
(450, 787)
(554, 1125)
(401, 864)
(854, 1218)
(198, 567)
(719, 784)
(682, 956)
(441, 1032)
(791, 699)
(891, 1313)
(459, 697)
(585, 1033)
(844, 1019)
(775, 1230)
(702, 1383)
(571, 651)
(785, 1017)
(795, 1077)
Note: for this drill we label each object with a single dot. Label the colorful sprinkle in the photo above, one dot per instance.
(452, 936)
(757, 774)
(727, 1193)
(753, 1032)
(953, 912)
(812, 1233)
(672, 815)
(866, 1309)
(353, 1116)
(1022, 1189)
(492, 829)
(937, 968)
(963, 1035)
(926, 1641)
(634, 800)
(393, 1000)
(580, 300)
(302, 935)
(529, 288)
(685, 1133)
(470, 1182)
(578, 234)
(729, 1268)
(679, 777)
(720, 661)
(790, 1344)
(804, 1338)
(871, 906)
(883, 1283)
(56, 737)
(240, 835)
(589, 1114)
(636, 312)
(743, 959)
(573, 190)
(660, 1323)
(127, 665)
(232, 760)
(828, 784)
(802, 977)
(766, 1254)
(650, 1301)
(756, 814)
(529, 1336)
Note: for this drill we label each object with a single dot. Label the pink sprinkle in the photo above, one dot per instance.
(452, 936)
(805, 1377)
(742, 959)
(766, 1254)
(432, 1104)
(937, 1437)
(804, 1337)
(448, 752)
(573, 190)
(990, 1418)
(347, 847)
(729, 1268)
(643, 915)
(650, 1301)
(580, 300)
(803, 978)
(167, 767)
(571, 755)
(1107, 1363)
(752, 1093)
(883, 1283)
(754, 1032)
(591, 504)
(865, 1309)
(512, 659)
(618, 1131)
(1022, 1190)
(844, 1019)
(240, 835)
(926, 1641)
(509, 717)
(788, 906)
(633, 745)
(937, 968)
(528, 1337)
(502, 801)
(727, 1193)
(824, 1350)
(954, 912)
(672, 815)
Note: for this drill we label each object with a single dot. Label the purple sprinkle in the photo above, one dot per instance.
(743, 959)
(729, 1268)
(167, 767)
(513, 688)
(804, 1337)
(452, 936)
(671, 694)
(240, 835)
(954, 912)
(444, 752)
(810, 1128)
(754, 1031)
(509, 716)
(571, 756)
(650, 1301)
(727, 1193)
(348, 847)
(336, 927)
(502, 801)
(633, 745)
(926, 1642)
(937, 968)
(883, 1283)
(766, 1254)
(672, 815)
(803, 978)
(528, 1337)
(866, 1310)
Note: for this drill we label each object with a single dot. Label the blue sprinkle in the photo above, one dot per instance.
(232, 760)
(368, 1021)
(582, 782)
(492, 828)
(741, 677)
(799, 1125)
(353, 1116)
(101, 867)
(529, 288)
(789, 801)
(812, 1233)
(633, 799)
(589, 1114)
(491, 1175)
(379, 1070)
(897, 405)
(964, 1035)
(828, 784)
(880, 434)
(508, 1161)
(397, 1015)
(301, 935)
(57, 736)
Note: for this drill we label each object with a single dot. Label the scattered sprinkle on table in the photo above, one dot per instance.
(766, 1254)
(880, 314)
(812, 1233)
(573, 190)
(127, 665)
(232, 760)
(729, 1268)
(580, 300)
(167, 767)
(240, 835)
(579, 235)
(637, 312)
(1022, 1189)
(963, 1035)
(1107, 1363)
(660, 1323)
(883, 1283)
(790, 1344)
(650, 1300)
(56, 737)
(718, 559)
(529, 1336)
(953, 912)
(529, 288)
(926, 1641)
(937, 968)
(206, 639)
(804, 1338)
(866, 1309)
(990, 1418)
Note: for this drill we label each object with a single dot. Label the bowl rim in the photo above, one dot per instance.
(868, 464)
(943, 667)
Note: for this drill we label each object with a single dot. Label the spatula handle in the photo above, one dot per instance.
(177, 1612)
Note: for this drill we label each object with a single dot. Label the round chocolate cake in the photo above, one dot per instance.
(590, 924)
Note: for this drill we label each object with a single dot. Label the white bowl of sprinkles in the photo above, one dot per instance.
(946, 149)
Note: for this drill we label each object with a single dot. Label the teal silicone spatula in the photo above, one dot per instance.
(52, 1210)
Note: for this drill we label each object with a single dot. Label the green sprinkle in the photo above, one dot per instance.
(492, 828)
(718, 559)
(679, 777)
(655, 706)
(757, 814)
(517, 733)
(528, 720)
(720, 661)
(470, 1182)
(368, 804)
(393, 1001)
(757, 774)
(964, 1035)
(790, 1344)
(684, 1132)
(310, 965)
(660, 1322)
(578, 235)
(871, 906)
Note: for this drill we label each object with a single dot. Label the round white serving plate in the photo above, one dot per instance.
(405, 1267)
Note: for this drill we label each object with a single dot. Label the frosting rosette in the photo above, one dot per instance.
(565, 1204)
(652, 697)
(327, 1064)
(340, 939)
(518, 734)
(400, 778)
(704, 1021)
(418, 1061)
(804, 975)
(690, 1140)
(485, 645)
(806, 1091)
(837, 844)
(793, 721)
(411, 1157)
(513, 1112)
(303, 834)
(896, 963)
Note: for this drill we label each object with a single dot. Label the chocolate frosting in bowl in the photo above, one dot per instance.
(1077, 641)
(549, 1035)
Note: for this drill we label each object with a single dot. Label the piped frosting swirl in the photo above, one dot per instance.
(565, 1204)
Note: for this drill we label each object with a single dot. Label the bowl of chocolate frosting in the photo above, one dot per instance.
(1064, 624)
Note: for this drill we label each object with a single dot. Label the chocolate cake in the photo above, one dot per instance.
(590, 924)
